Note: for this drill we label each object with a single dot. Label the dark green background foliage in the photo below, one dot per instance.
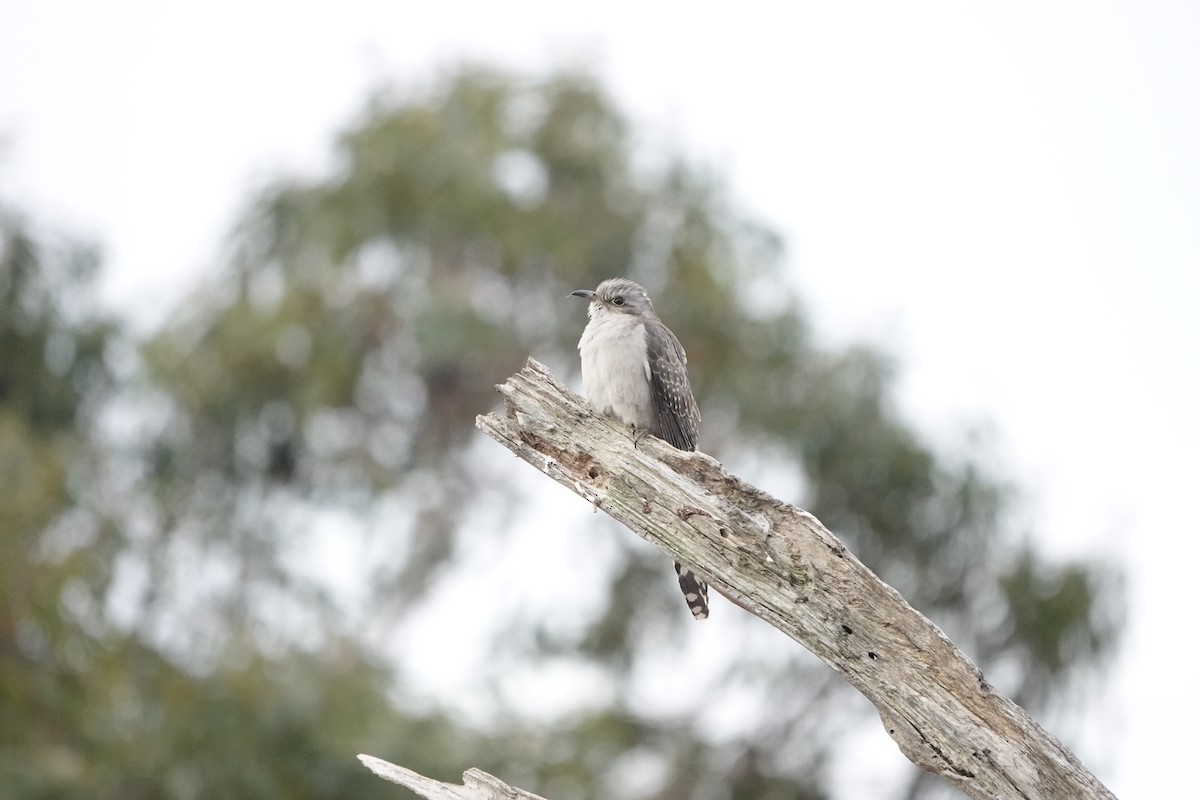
(156, 636)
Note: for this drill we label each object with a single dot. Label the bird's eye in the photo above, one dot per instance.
(618, 301)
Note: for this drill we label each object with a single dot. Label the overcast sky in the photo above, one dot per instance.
(1006, 197)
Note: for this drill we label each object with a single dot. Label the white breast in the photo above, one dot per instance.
(616, 372)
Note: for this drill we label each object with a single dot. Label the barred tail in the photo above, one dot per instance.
(695, 591)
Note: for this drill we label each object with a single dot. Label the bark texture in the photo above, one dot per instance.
(781, 564)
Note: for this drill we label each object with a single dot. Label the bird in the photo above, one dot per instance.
(635, 369)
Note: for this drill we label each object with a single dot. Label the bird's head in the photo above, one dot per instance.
(616, 296)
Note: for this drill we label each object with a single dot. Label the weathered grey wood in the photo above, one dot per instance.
(476, 785)
(781, 564)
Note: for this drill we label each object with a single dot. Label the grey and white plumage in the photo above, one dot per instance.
(635, 369)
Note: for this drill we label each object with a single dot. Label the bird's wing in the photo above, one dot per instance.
(675, 407)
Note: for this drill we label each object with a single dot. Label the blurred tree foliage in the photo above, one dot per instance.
(157, 636)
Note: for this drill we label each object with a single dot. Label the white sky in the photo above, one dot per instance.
(1008, 197)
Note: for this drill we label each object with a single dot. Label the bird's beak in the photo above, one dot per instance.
(586, 294)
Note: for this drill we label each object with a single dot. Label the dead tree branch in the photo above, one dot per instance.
(476, 785)
(781, 564)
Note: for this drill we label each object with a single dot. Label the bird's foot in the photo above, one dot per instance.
(638, 433)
